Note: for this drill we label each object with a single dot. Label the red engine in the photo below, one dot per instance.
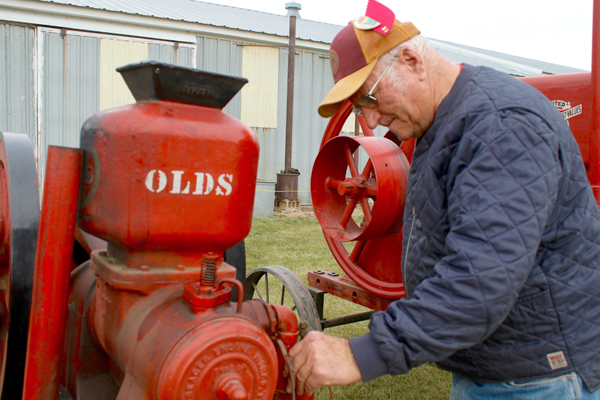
(168, 183)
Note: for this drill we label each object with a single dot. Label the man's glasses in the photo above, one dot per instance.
(368, 100)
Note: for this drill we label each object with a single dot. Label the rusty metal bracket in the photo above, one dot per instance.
(344, 287)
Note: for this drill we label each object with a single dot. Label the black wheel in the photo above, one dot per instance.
(278, 285)
(19, 216)
(236, 257)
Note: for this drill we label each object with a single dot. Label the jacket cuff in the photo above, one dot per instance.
(366, 354)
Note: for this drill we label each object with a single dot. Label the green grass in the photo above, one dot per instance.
(298, 244)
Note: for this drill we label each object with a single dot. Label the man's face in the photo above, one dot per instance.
(402, 102)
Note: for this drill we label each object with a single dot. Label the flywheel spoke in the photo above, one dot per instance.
(364, 203)
(363, 125)
(350, 160)
(348, 212)
(358, 248)
(368, 170)
(267, 286)
(257, 291)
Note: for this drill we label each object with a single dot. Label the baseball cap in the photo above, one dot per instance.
(353, 54)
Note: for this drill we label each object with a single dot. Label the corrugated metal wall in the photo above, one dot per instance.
(172, 53)
(161, 52)
(76, 78)
(185, 55)
(69, 77)
(222, 56)
(312, 81)
(17, 80)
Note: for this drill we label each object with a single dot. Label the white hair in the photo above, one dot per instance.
(418, 43)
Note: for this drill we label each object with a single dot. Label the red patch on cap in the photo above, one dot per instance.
(350, 56)
(381, 14)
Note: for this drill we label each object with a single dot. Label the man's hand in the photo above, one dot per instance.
(320, 359)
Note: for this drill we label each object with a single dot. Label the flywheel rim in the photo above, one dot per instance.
(19, 210)
(368, 278)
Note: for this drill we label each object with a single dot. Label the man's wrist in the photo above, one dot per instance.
(366, 354)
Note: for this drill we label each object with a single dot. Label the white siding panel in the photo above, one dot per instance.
(259, 96)
(115, 53)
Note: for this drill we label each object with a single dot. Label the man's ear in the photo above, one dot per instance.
(413, 61)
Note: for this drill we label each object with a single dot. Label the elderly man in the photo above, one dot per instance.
(501, 251)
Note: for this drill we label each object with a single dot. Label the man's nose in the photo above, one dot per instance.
(372, 117)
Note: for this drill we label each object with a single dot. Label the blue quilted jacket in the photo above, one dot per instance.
(501, 252)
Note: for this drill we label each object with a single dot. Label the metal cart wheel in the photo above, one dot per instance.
(278, 285)
(19, 216)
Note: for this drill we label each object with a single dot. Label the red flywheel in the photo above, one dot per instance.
(372, 254)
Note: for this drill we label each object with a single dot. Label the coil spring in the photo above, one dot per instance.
(208, 269)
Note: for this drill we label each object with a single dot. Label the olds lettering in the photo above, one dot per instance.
(202, 183)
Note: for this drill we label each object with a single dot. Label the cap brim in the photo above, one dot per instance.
(343, 89)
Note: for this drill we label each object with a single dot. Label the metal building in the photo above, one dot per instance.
(58, 60)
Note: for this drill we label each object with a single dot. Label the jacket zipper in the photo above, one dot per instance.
(412, 225)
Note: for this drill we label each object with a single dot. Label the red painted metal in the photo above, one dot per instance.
(571, 93)
(168, 351)
(382, 183)
(53, 261)
(575, 97)
(167, 175)
(170, 186)
(373, 264)
(163, 348)
(89, 374)
(344, 287)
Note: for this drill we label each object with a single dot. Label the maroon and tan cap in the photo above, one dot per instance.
(353, 55)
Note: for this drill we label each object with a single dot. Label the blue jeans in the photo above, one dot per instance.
(564, 387)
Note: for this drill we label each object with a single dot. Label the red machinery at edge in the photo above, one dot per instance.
(168, 183)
